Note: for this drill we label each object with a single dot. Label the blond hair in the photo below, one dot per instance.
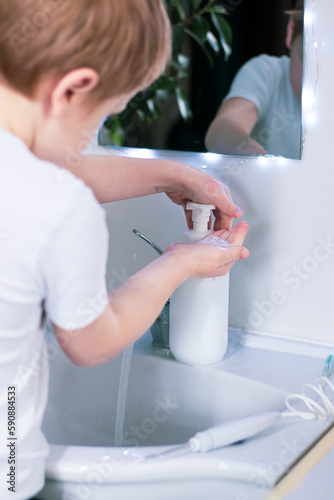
(123, 40)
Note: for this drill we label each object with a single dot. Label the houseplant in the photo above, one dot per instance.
(198, 21)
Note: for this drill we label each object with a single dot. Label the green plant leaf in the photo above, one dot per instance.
(183, 104)
(116, 138)
(206, 52)
(183, 61)
(165, 83)
(162, 95)
(178, 36)
(141, 115)
(116, 130)
(196, 4)
(168, 7)
(224, 32)
(154, 109)
(150, 105)
(217, 9)
(213, 42)
(180, 10)
(146, 111)
(200, 27)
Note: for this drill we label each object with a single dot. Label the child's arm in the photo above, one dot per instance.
(114, 178)
(134, 306)
(229, 133)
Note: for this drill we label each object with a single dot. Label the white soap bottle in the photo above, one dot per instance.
(199, 307)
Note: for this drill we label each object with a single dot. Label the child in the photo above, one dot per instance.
(64, 66)
(262, 112)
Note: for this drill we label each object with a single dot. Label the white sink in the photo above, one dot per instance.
(167, 403)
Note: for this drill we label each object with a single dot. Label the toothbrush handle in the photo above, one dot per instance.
(231, 432)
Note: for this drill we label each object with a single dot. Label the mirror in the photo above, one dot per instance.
(258, 28)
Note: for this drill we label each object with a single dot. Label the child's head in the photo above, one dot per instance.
(71, 63)
(124, 41)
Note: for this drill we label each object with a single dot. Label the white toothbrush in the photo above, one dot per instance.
(232, 432)
(222, 435)
(321, 407)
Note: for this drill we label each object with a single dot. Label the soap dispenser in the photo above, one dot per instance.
(199, 307)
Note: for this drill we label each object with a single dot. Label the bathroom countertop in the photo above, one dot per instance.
(287, 371)
(318, 483)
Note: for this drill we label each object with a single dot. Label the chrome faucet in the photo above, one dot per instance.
(160, 328)
(150, 242)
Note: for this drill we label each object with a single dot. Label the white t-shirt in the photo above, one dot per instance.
(53, 251)
(264, 80)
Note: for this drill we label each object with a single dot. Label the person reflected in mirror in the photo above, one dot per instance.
(261, 114)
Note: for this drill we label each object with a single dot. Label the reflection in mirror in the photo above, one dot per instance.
(264, 28)
(261, 113)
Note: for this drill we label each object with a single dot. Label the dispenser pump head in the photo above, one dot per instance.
(201, 215)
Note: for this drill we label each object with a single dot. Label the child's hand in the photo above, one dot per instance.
(214, 255)
(201, 187)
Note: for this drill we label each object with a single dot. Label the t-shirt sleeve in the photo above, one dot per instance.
(254, 82)
(73, 263)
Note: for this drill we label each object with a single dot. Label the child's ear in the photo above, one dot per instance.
(289, 32)
(76, 84)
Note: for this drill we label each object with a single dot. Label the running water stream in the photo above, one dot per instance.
(122, 394)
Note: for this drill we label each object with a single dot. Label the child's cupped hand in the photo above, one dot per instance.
(215, 254)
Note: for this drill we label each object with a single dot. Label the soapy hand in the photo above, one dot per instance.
(200, 187)
(215, 254)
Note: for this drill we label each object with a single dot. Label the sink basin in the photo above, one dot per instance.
(167, 402)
